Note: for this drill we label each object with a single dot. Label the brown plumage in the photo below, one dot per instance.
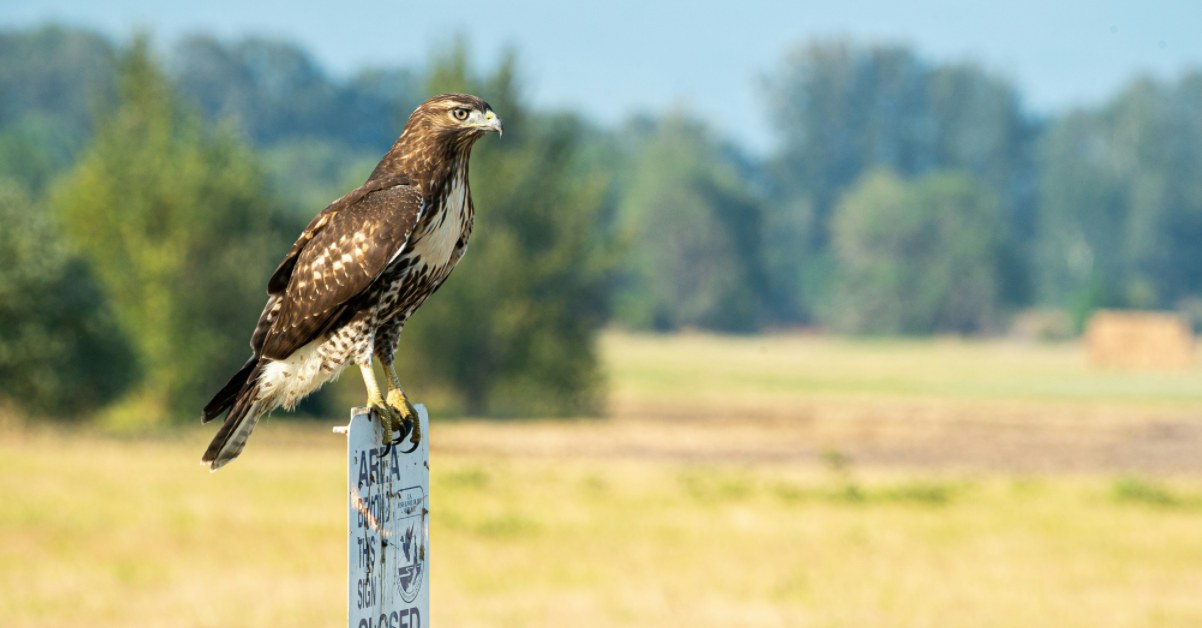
(345, 289)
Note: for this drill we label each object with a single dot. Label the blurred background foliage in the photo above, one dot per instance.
(175, 220)
(147, 191)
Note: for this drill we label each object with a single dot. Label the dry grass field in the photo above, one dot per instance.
(778, 481)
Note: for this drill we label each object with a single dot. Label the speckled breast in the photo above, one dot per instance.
(437, 245)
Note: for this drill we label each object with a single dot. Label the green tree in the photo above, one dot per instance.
(844, 110)
(175, 223)
(1121, 201)
(308, 174)
(57, 73)
(61, 351)
(275, 91)
(513, 330)
(917, 258)
(693, 232)
(52, 79)
(35, 151)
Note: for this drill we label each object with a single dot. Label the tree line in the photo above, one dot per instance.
(147, 193)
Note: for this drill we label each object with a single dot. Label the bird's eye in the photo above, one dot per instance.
(460, 113)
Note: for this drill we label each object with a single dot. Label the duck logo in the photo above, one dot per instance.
(409, 572)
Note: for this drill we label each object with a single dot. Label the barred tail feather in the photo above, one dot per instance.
(225, 398)
(240, 422)
(265, 385)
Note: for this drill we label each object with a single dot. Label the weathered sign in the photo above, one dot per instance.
(389, 534)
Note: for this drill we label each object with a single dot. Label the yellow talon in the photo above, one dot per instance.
(399, 403)
(392, 419)
(407, 413)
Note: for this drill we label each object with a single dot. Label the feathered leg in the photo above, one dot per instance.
(384, 347)
(400, 403)
(393, 421)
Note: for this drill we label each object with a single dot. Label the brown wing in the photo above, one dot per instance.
(336, 258)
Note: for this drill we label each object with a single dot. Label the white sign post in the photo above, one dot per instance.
(389, 533)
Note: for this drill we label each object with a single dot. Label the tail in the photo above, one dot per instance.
(245, 410)
(224, 399)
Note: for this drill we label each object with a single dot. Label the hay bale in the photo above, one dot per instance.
(1138, 340)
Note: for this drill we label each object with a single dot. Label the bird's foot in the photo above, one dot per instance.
(411, 425)
(392, 421)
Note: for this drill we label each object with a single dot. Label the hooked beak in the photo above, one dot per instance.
(492, 123)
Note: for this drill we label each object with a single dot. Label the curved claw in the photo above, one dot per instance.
(412, 449)
(409, 427)
(408, 417)
(392, 422)
(406, 428)
(401, 432)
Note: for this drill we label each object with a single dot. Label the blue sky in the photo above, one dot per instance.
(613, 58)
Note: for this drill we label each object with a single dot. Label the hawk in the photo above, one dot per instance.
(357, 273)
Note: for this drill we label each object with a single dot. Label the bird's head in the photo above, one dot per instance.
(439, 135)
(455, 117)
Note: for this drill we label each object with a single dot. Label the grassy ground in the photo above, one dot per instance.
(767, 373)
(968, 405)
(733, 516)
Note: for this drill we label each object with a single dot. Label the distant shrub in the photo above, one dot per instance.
(61, 352)
(1144, 491)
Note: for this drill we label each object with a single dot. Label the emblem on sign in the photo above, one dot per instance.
(409, 573)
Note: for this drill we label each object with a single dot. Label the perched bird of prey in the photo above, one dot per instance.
(357, 273)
